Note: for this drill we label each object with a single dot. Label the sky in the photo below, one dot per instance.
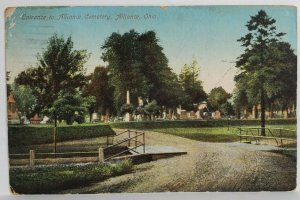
(207, 33)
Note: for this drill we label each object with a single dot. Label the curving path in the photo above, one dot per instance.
(206, 167)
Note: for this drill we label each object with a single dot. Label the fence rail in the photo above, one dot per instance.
(133, 136)
(257, 133)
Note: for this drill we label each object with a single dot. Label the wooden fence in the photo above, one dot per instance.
(133, 139)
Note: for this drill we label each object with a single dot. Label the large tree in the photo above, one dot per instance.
(99, 86)
(122, 54)
(281, 87)
(261, 33)
(136, 62)
(59, 67)
(193, 92)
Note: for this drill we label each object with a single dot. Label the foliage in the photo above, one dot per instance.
(240, 100)
(19, 136)
(59, 68)
(8, 89)
(137, 63)
(227, 109)
(25, 100)
(127, 108)
(253, 62)
(193, 92)
(140, 110)
(151, 109)
(281, 81)
(68, 106)
(100, 87)
(217, 98)
(89, 103)
(45, 180)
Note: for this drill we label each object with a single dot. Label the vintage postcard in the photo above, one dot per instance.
(144, 99)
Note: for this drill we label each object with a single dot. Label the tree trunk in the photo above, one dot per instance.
(255, 112)
(238, 114)
(54, 134)
(271, 110)
(263, 108)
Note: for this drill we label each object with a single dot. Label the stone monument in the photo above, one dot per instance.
(12, 111)
(127, 115)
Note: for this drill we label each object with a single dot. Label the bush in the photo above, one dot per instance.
(31, 135)
(127, 108)
(79, 118)
(45, 180)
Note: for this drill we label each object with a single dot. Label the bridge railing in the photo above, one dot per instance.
(133, 136)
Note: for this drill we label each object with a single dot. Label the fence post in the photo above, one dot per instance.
(135, 139)
(31, 158)
(129, 138)
(54, 141)
(144, 142)
(101, 155)
(281, 137)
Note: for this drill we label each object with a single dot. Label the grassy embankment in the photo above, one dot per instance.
(217, 134)
(47, 180)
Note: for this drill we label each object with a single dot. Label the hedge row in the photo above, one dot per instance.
(196, 123)
(30, 135)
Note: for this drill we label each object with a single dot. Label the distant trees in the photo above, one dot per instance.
(25, 100)
(193, 92)
(218, 100)
(60, 69)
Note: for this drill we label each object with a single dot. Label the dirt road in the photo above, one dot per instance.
(206, 167)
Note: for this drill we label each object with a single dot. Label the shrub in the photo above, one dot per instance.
(127, 108)
(79, 118)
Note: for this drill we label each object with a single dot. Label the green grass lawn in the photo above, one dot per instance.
(216, 134)
(47, 180)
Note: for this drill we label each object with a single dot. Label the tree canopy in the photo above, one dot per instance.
(136, 62)
(59, 68)
(24, 98)
(99, 86)
(253, 62)
(217, 98)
